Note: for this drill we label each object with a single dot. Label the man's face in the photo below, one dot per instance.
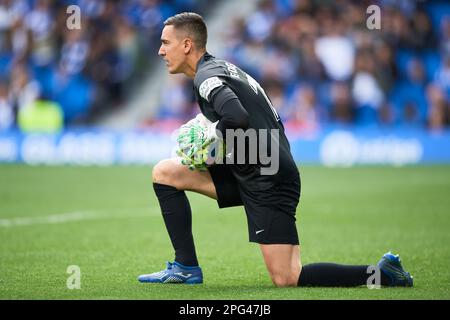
(173, 49)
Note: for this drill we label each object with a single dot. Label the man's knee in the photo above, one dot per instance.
(283, 264)
(284, 279)
(164, 173)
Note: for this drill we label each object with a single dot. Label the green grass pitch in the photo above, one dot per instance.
(107, 222)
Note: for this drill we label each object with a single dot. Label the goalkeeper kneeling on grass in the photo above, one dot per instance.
(231, 99)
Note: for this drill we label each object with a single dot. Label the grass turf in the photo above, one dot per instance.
(349, 216)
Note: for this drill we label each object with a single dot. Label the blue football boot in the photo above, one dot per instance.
(391, 266)
(174, 273)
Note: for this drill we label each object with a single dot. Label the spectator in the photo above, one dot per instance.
(6, 108)
(41, 115)
(439, 111)
(367, 93)
(310, 66)
(24, 89)
(274, 89)
(385, 67)
(260, 23)
(342, 110)
(335, 51)
(305, 113)
(409, 96)
(41, 24)
(442, 77)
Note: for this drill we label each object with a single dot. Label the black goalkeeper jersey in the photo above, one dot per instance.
(212, 75)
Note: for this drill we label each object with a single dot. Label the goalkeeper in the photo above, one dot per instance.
(231, 99)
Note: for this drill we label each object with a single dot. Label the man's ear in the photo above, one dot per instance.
(187, 43)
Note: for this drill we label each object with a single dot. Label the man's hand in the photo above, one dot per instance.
(193, 140)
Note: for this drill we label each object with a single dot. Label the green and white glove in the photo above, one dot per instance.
(190, 140)
(193, 139)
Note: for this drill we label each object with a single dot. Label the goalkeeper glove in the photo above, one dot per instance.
(193, 139)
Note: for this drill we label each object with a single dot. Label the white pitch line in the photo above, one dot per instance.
(70, 217)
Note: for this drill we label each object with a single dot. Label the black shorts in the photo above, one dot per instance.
(270, 212)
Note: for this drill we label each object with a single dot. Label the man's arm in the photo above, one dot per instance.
(229, 108)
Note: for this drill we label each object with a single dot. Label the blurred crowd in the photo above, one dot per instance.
(321, 65)
(51, 74)
(317, 59)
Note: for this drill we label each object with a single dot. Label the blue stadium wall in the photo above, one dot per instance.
(331, 147)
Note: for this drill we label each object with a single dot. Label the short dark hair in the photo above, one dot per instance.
(193, 24)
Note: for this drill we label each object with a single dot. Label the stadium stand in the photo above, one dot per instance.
(322, 66)
(87, 71)
(318, 61)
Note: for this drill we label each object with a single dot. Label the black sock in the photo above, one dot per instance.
(177, 215)
(336, 275)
